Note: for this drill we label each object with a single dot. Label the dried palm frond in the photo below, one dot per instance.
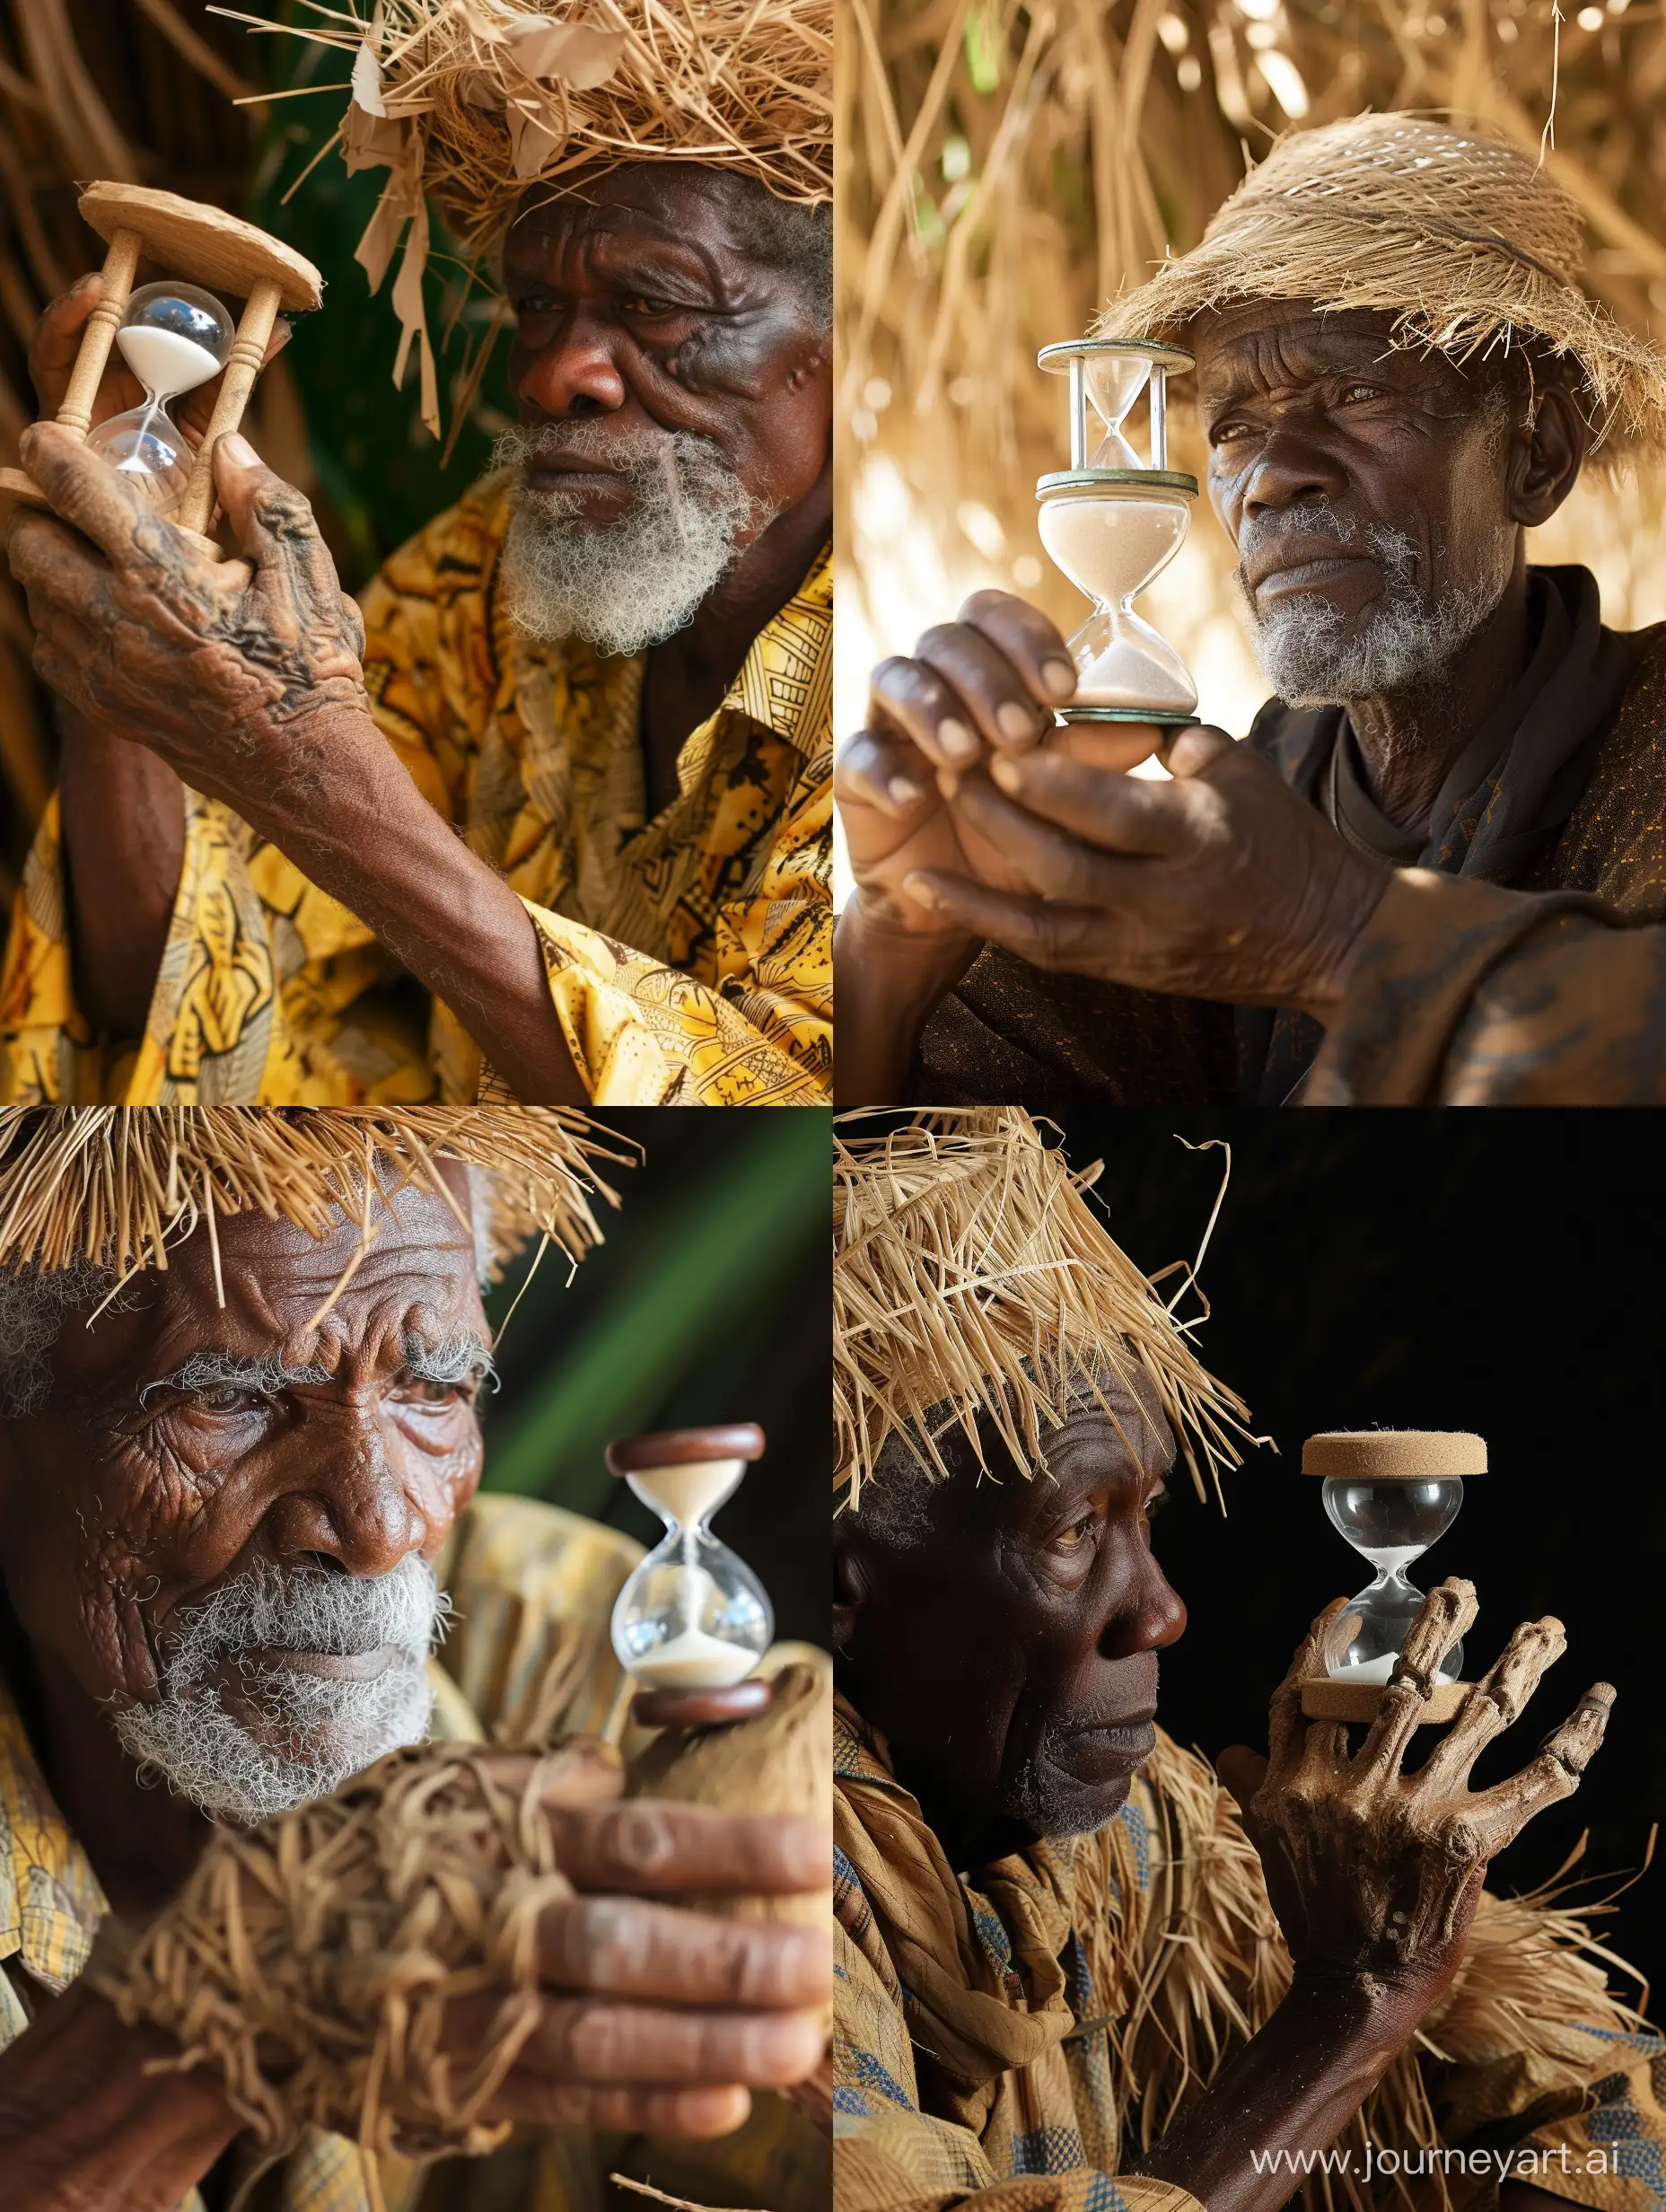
(469, 102)
(119, 1186)
(971, 1277)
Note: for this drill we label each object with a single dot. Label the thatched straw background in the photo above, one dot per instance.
(1009, 167)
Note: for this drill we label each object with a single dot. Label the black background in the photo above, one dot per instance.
(1497, 1272)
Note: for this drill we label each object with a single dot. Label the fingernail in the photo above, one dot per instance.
(1059, 679)
(903, 791)
(920, 891)
(1014, 721)
(238, 450)
(956, 740)
(948, 783)
(1006, 774)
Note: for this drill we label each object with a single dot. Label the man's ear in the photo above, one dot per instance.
(852, 1589)
(1548, 452)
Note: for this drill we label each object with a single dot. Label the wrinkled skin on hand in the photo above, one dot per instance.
(1375, 1873)
(229, 668)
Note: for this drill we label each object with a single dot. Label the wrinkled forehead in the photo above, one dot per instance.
(663, 205)
(1255, 340)
(1113, 1425)
(256, 1287)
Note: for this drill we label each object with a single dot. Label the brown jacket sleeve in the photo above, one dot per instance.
(1464, 994)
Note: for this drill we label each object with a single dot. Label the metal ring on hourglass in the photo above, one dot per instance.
(1095, 480)
(1055, 359)
(686, 1447)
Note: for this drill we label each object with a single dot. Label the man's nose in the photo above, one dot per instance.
(352, 1504)
(573, 376)
(1154, 1618)
(1292, 467)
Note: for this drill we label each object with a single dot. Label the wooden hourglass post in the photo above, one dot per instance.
(201, 245)
(115, 289)
(237, 381)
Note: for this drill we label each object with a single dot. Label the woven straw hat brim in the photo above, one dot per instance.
(1458, 237)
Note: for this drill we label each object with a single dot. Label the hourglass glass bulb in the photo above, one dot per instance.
(692, 1616)
(1391, 1493)
(173, 337)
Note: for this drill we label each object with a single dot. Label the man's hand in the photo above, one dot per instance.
(1374, 1874)
(1219, 885)
(655, 2018)
(226, 670)
(58, 340)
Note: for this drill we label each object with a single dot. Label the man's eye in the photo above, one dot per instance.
(644, 303)
(1076, 1537)
(1155, 1503)
(230, 1399)
(429, 1392)
(1223, 432)
(1360, 392)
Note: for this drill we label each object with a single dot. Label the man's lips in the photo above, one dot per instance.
(1279, 573)
(1112, 1747)
(335, 1666)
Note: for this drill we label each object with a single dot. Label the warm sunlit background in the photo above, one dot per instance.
(1007, 168)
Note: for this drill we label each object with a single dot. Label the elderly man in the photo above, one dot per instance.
(1064, 1953)
(1035, 925)
(606, 668)
(237, 1505)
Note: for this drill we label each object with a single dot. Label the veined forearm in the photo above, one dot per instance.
(123, 817)
(356, 825)
(84, 2128)
(888, 983)
(1291, 2089)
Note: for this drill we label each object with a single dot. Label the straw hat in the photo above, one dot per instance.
(121, 1186)
(468, 103)
(971, 1276)
(1466, 241)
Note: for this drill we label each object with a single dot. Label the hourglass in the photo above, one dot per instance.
(206, 247)
(173, 337)
(1390, 1492)
(1113, 524)
(692, 1616)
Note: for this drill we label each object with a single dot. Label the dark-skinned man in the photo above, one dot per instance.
(1072, 1970)
(1448, 722)
(554, 817)
(237, 1503)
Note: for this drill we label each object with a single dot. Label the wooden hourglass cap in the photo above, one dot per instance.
(686, 1447)
(203, 245)
(1394, 1454)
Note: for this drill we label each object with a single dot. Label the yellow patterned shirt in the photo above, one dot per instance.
(529, 1653)
(689, 956)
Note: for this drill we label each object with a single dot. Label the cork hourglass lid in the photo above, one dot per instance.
(1394, 1454)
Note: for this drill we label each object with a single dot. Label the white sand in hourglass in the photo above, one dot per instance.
(687, 1654)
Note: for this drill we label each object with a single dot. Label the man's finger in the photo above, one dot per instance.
(1493, 1705)
(620, 2109)
(594, 2039)
(56, 341)
(923, 707)
(1446, 1614)
(1028, 640)
(273, 524)
(1055, 866)
(1131, 814)
(646, 1847)
(1194, 749)
(879, 768)
(84, 490)
(1045, 934)
(1496, 1816)
(1286, 1724)
(630, 1946)
(1008, 716)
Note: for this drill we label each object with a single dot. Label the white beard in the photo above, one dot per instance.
(314, 1732)
(628, 584)
(1409, 643)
